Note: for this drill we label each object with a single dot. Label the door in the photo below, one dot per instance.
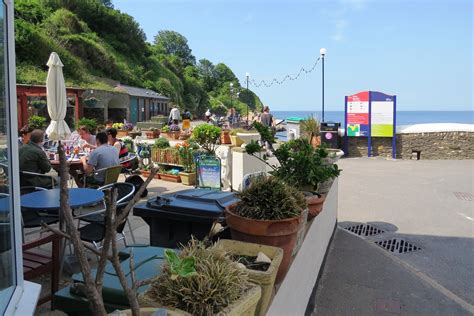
(133, 110)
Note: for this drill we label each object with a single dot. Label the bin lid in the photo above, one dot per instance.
(197, 203)
(294, 119)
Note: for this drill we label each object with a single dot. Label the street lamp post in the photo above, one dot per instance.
(231, 93)
(247, 75)
(322, 51)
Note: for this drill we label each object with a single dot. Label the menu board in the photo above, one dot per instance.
(357, 118)
(382, 115)
(208, 170)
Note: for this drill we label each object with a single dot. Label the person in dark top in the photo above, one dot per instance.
(25, 134)
(266, 118)
(32, 158)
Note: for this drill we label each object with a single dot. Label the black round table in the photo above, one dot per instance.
(49, 199)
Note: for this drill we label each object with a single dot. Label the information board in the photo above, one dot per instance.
(208, 170)
(381, 115)
(357, 114)
(370, 114)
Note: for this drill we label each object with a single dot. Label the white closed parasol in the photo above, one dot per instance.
(57, 99)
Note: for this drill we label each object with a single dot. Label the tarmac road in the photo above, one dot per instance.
(428, 203)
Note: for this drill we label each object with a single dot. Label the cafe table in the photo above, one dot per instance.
(75, 169)
(49, 199)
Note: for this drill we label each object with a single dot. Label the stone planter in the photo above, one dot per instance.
(324, 187)
(170, 177)
(277, 233)
(244, 306)
(248, 137)
(235, 141)
(188, 178)
(133, 135)
(265, 279)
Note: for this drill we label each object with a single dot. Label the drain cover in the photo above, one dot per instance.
(464, 196)
(397, 245)
(364, 230)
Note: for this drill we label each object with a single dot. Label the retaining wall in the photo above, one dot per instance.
(431, 145)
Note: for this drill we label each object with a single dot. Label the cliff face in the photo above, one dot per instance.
(95, 41)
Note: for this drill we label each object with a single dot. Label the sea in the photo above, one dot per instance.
(402, 117)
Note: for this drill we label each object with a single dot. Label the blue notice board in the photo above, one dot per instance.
(208, 170)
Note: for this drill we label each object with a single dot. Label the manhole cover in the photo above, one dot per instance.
(464, 196)
(397, 245)
(364, 230)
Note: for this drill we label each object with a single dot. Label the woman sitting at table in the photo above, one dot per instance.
(25, 134)
(90, 140)
(103, 156)
(117, 143)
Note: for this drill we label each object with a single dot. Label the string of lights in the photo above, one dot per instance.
(286, 77)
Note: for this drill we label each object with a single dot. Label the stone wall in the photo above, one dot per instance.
(435, 145)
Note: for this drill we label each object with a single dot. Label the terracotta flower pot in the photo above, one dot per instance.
(278, 233)
(169, 177)
(315, 204)
(225, 137)
(188, 178)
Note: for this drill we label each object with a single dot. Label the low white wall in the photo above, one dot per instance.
(243, 164)
(295, 291)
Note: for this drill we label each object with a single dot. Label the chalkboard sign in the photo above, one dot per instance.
(208, 170)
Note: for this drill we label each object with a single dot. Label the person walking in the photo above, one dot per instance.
(186, 119)
(174, 115)
(267, 120)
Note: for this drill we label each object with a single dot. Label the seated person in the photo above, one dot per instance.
(87, 137)
(117, 143)
(103, 156)
(25, 133)
(174, 127)
(32, 158)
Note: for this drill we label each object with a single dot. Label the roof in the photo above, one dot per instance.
(140, 92)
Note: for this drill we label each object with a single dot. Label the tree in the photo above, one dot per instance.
(224, 76)
(173, 43)
(207, 73)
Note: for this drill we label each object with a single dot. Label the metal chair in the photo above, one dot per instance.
(111, 175)
(125, 193)
(94, 232)
(129, 170)
(24, 178)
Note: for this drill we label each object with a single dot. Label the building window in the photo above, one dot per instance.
(9, 218)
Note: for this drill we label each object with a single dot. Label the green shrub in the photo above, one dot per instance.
(37, 122)
(91, 124)
(207, 136)
(161, 143)
(269, 198)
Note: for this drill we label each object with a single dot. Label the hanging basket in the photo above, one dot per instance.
(91, 102)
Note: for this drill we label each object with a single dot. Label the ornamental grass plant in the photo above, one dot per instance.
(269, 198)
(199, 280)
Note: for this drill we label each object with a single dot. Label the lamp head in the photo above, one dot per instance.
(247, 75)
(322, 51)
(231, 84)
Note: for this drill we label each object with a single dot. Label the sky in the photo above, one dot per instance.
(421, 51)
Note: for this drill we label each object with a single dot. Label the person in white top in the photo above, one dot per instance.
(174, 115)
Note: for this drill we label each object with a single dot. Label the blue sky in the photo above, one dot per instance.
(419, 50)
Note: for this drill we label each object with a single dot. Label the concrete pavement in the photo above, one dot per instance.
(426, 203)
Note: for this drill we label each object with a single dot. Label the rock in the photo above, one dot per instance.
(240, 266)
(261, 257)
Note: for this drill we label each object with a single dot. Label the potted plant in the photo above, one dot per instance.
(128, 142)
(171, 175)
(160, 151)
(152, 133)
(260, 271)
(269, 213)
(202, 281)
(186, 159)
(37, 122)
(225, 137)
(310, 128)
(146, 170)
(207, 136)
(91, 101)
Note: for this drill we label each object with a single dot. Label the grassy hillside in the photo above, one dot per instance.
(96, 41)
